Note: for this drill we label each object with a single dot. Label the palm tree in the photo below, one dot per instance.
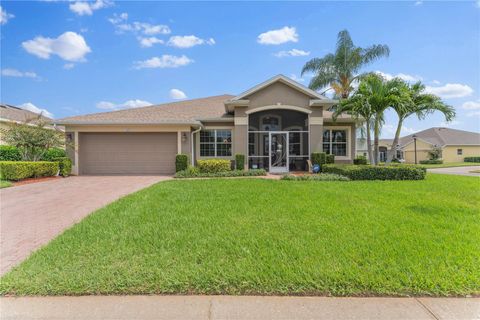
(340, 70)
(421, 104)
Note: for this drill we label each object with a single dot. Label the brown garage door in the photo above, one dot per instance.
(127, 153)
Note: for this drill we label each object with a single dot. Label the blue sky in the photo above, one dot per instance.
(76, 57)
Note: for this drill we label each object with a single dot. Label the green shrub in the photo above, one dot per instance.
(471, 159)
(181, 162)
(10, 153)
(315, 177)
(18, 170)
(368, 172)
(239, 162)
(431, 161)
(64, 165)
(54, 153)
(318, 158)
(214, 165)
(192, 172)
(395, 160)
(360, 160)
(330, 158)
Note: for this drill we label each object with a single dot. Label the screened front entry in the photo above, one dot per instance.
(278, 140)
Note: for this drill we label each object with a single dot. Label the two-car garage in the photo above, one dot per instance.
(127, 153)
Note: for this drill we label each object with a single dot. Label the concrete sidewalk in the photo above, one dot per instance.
(236, 307)
(461, 171)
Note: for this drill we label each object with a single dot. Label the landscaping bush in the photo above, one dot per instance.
(395, 160)
(330, 158)
(54, 153)
(10, 153)
(360, 160)
(471, 159)
(181, 162)
(431, 161)
(64, 165)
(18, 170)
(368, 172)
(214, 165)
(239, 162)
(315, 177)
(195, 173)
(318, 158)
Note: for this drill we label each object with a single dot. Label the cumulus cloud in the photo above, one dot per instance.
(450, 90)
(136, 103)
(121, 26)
(279, 36)
(5, 16)
(177, 94)
(471, 105)
(69, 46)
(164, 61)
(388, 130)
(403, 76)
(149, 41)
(33, 108)
(188, 41)
(418, 3)
(295, 78)
(292, 53)
(19, 74)
(68, 66)
(86, 8)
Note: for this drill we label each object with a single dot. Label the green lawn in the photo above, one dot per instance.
(255, 236)
(5, 184)
(451, 164)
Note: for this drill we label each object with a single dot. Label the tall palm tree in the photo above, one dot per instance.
(341, 69)
(421, 104)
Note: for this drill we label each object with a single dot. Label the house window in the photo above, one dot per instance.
(216, 143)
(459, 152)
(335, 142)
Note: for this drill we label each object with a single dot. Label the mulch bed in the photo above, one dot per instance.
(34, 180)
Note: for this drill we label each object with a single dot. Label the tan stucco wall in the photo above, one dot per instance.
(278, 93)
(449, 153)
(422, 151)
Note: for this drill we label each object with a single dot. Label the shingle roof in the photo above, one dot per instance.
(187, 111)
(16, 114)
(444, 136)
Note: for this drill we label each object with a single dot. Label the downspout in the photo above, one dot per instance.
(192, 140)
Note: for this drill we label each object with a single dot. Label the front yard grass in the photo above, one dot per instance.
(256, 236)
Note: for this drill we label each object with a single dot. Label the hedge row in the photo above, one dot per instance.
(18, 170)
(431, 161)
(214, 165)
(360, 160)
(368, 172)
(181, 162)
(322, 158)
(193, 172)
(10, 153)
(471, 159)
(64, 165)
(315, 177)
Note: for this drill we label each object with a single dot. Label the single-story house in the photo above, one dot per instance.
(10, 115)
(455, 145)
(276, 124)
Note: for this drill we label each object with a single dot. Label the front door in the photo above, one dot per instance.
(278, 152)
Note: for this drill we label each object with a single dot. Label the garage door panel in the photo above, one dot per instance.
(128, 153)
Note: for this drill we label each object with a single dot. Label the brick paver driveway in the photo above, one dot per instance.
(31, 215)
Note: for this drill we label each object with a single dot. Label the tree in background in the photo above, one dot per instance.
(341, 69)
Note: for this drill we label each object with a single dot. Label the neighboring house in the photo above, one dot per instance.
(10, 115)
(276, 125)
(455, 145)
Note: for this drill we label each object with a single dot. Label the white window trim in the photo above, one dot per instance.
(215, 143)
(349, 135)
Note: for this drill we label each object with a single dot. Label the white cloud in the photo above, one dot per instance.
(121, 26)
(33, 108)
(453, 123)
(165, 61)
(69, 46)
(295, 78)
(149, 41)
(117, 18)
(471, 105)
(418, 3)
(68, 66)
(136, 103)
(450, 90)
(86, 8)
(403, 76)
(5, 16)
(177, 94)
(436, 82)
(474, 114)
(19, 74)
(188, 41)
(279, 36)
(388, 130)
(292, 53)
